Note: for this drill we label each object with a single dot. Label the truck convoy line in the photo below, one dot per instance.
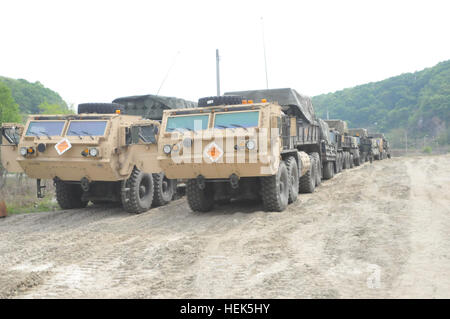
(266, 145)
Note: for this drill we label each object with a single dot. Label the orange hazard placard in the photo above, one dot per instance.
(62, 146)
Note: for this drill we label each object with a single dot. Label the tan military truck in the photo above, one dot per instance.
(90, 157)
(235, 146)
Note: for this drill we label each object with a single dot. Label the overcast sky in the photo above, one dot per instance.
(95, 51)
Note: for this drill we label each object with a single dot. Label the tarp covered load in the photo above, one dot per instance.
(338, 125)
(360, 132)
(324, 130)
(152, 106)
(284, 97)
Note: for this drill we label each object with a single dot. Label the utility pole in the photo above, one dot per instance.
(406, 142)
(218, 72)
(264, 47)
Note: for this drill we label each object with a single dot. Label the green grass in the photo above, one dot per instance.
(19, 194)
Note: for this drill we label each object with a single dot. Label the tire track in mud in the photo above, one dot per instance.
(326, 245)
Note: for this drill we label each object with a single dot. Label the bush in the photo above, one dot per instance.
(427, 149)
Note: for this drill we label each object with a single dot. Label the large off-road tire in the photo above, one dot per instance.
(346, 160)
(219, 100)
(292, 168)
(351, 161)
(69, 195)
(137, 192)
(275, 190)
(100, 108)
(339, 162)
(199, 200)
(307, 182)
(164, 189)
(328, 170)
(357, 161)
(363, 157)
(318, 168)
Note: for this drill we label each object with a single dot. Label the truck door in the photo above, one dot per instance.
(142, 140)
(9, 144)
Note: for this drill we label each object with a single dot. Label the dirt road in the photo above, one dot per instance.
(380, 230)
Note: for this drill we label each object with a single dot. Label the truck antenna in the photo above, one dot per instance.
(264, 47)
(168, 71)
(218, 72)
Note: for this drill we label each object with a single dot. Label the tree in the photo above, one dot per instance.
(46, 108)
(9, 110)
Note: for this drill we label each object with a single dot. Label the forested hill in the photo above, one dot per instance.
(30, 95)
(418, 102)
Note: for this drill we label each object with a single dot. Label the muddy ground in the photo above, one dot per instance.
(376, 231)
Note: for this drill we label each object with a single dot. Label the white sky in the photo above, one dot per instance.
(95, 51)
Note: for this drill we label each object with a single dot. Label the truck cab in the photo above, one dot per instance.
(90, 157)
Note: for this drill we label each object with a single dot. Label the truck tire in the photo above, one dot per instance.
(346, 161)
(318, 168)
(351, 161)
(292, 168)
(358, 161)
(164, 189)
(307, 182)
(137, 192)
(219, 100)
(199, 200)
(328, 170)
(68, 195)
(340, 165)
(101, 108)
(275, 190)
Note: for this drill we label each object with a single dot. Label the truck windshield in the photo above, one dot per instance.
(48, 128)
(86, 128)
(238, 119)
(187, 123)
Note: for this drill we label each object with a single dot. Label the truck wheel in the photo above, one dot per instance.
(340, 166)
(101, 108)
(352, 163)
(318, 168)
(292, 169)
(328, 170)
(137, 192)
(199, 200)
(308, 181)
(219, 100)
(68, 195)
(362, 158)
(358, 161)
(275, 190)
(164, 189)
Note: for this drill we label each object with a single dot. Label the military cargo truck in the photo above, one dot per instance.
(348, 147)
(262, 144)
(383, 146)
(366, 148)
(90, 157)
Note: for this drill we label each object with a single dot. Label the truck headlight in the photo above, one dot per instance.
(251, 145)
(93, 152)
(167, 149)
(23, 151)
